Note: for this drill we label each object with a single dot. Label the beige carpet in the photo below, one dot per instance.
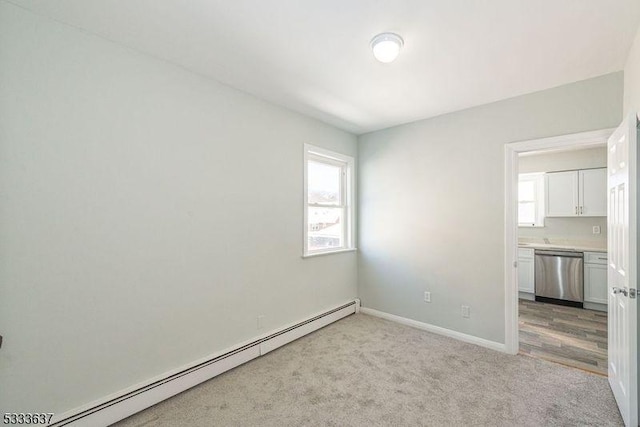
(367, 371)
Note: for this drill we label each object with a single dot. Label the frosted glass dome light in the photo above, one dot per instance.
(386, 46)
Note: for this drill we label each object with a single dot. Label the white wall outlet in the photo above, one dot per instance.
(596, 229)
(466, 311)
(260, 322)
(427, 297)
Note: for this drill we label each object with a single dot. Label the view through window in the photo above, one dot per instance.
(328, 204)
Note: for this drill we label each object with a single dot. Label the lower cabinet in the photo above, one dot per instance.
(526, 270)
(595, 277)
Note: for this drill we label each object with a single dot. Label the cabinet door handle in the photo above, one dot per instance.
(581, 209)
(576, 210)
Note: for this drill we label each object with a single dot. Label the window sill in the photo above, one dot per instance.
(339, 251)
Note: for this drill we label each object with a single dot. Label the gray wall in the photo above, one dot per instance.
(576, 229)
(432, 202)
(147, 216)
(632, 78)
(563, 160)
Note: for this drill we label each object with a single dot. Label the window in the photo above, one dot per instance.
(531, 200)
(328, 199)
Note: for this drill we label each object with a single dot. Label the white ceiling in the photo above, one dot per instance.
(313, 56)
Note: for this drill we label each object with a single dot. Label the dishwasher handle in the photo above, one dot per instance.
(569, 254)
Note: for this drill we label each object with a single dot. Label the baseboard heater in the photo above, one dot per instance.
(133, 401)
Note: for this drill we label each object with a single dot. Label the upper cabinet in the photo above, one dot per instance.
(593, 192)
(561, 190)
(576, 193)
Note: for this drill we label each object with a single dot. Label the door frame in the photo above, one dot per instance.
(511, 152)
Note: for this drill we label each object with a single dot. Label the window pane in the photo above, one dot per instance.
(326, 227)
(526, 190)
(526, 213)
(324, 183)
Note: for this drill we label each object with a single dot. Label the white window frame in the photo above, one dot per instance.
(538, 179)
(347, 163)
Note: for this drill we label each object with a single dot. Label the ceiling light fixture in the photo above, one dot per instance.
(386, 46)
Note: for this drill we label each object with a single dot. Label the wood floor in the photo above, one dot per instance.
(567, 335)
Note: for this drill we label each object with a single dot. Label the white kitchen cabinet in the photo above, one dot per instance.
(576, 193)
(561, 193)
(526, 270)
(593, 192)
(595, 277)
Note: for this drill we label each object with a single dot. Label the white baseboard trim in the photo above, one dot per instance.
(120, 405)
(435, 329)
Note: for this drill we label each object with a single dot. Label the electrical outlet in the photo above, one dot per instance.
(596, 229)
(466, 311)
(427, 297)
(260, 322)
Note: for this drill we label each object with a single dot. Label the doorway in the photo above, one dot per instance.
(562, 256)
(512, 153)
(623, 158)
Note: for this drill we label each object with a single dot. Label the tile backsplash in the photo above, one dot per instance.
(568, 228)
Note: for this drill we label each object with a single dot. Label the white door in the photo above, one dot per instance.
(622, 270)
(561, 190)
(593, 192)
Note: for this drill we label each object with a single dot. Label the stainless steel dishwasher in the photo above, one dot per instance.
(559, 277)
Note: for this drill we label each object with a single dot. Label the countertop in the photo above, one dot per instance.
(565, 245)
